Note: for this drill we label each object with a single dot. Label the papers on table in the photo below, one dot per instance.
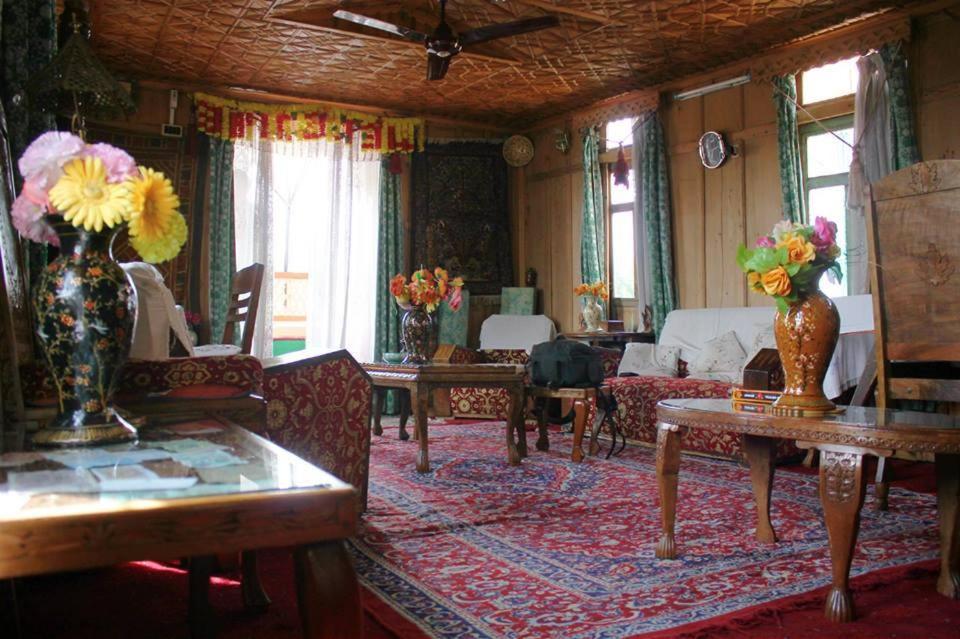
(189, 445)
(201, 427)
(199, 453)
(78, 480)
(136, 477)
(94, 458)
(11, 460)
(234, 474)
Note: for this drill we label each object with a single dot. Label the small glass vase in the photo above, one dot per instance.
(806, 338)
(419, 331)
(592, 314)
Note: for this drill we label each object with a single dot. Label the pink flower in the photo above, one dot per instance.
(30, 220)
(44, 158)
(824, 233)
(455, 298)
(118, 162)
(766, 242)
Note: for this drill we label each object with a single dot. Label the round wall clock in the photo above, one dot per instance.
(713, 149)
(518, 150)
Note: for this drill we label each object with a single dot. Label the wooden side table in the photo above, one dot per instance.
(618, 339)
(843, 440)
(582, 398)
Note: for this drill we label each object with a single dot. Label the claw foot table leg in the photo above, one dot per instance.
(668, 465)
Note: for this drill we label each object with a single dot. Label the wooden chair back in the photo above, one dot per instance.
(913, 231)
(244, 303)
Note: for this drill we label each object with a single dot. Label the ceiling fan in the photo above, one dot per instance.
(443, 43)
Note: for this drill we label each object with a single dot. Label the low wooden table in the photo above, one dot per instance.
(421, 381)
(275, 500)
(616, 338)
(843, 440)
(582, 398)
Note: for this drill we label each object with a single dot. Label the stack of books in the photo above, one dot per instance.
(750, 400)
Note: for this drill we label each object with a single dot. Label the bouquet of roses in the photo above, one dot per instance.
(788, 263)
(96, 186)
(428, 289)
(598, 289)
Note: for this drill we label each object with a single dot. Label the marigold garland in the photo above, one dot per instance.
(235, 120)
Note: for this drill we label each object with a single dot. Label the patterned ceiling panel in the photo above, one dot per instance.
(601, 48)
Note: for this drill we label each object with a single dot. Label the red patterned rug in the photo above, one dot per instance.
(477, 548)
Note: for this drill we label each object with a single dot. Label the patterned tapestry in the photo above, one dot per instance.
(460, 213)
(172, 157)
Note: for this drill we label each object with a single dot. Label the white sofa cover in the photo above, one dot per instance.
(518, 332)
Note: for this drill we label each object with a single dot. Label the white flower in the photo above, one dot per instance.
(781, 228)
(44, 159)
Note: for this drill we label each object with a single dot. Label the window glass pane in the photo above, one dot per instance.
(829, 81)
(831, 202)
(826, 155)
(620, 194)
(624, 260)
(619, 132)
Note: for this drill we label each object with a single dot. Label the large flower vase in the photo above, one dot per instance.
(84, 313)
(592, 314)
(806, 338)
(419, 330)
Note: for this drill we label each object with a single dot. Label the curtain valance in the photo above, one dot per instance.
(233, 120)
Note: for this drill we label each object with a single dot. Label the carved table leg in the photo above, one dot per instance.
(515, 425)
(254, 596)
(420, 399)
(378, 395)
(543, 440)
(759, 452)
(579, 426)
(403, 397)
(881, 486)
(668, 465)
(948, 495)
(328, 594)
(200, 614)
(842, 490)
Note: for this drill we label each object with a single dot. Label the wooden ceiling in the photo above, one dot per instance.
(602, 48)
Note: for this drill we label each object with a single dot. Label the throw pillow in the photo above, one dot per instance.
(649, 359)
(721, 359)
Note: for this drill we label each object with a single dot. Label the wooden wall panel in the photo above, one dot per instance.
(936, 86)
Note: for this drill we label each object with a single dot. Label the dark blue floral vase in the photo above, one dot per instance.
(85, 310)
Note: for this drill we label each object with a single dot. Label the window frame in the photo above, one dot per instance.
(607, 159)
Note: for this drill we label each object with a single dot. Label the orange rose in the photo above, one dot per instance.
(776, 282)
(753, 281)
(800, 251)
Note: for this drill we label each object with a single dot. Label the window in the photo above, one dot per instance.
(826, 163)
(623, 258)
(829, 81)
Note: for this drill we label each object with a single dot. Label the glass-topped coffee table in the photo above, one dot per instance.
(192, 489)
(843, 439)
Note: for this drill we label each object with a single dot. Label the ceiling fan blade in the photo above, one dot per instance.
(437, 66)
(507, 29)
(366, 21)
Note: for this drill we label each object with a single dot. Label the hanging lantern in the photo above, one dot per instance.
(621, 172)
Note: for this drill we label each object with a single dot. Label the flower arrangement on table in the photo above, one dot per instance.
(96, 186)
(788, 263)
(427, 289)
(592, 312)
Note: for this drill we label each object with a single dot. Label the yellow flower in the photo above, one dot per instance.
(85, 197)
(800, 251)
(776, 282)
(153, 205)
(753, 281)
(164, 247)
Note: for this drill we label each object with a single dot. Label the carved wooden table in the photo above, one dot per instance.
(274, 499)
(843, 440)
(421, 381)
(582, 398)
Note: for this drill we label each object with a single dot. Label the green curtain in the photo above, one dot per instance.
(389, 263)
(223, 258)
(654, 185)
(29, 42)
(904, 139)
(592, 235)
(788, 142)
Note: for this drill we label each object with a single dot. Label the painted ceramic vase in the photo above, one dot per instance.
(806, 338)
(84, 309)
(592, 314)
(419, 331)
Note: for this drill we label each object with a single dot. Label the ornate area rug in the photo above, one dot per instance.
(477, 548)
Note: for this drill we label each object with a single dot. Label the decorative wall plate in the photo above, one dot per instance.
(713, 149)
(518, 150)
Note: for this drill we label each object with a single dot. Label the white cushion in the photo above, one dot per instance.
(721, 359)
(216, 350)
(516, 331)
(649, 359)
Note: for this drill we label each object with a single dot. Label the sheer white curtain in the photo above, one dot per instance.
(323, 202)
(253, 228)
(872, 160)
